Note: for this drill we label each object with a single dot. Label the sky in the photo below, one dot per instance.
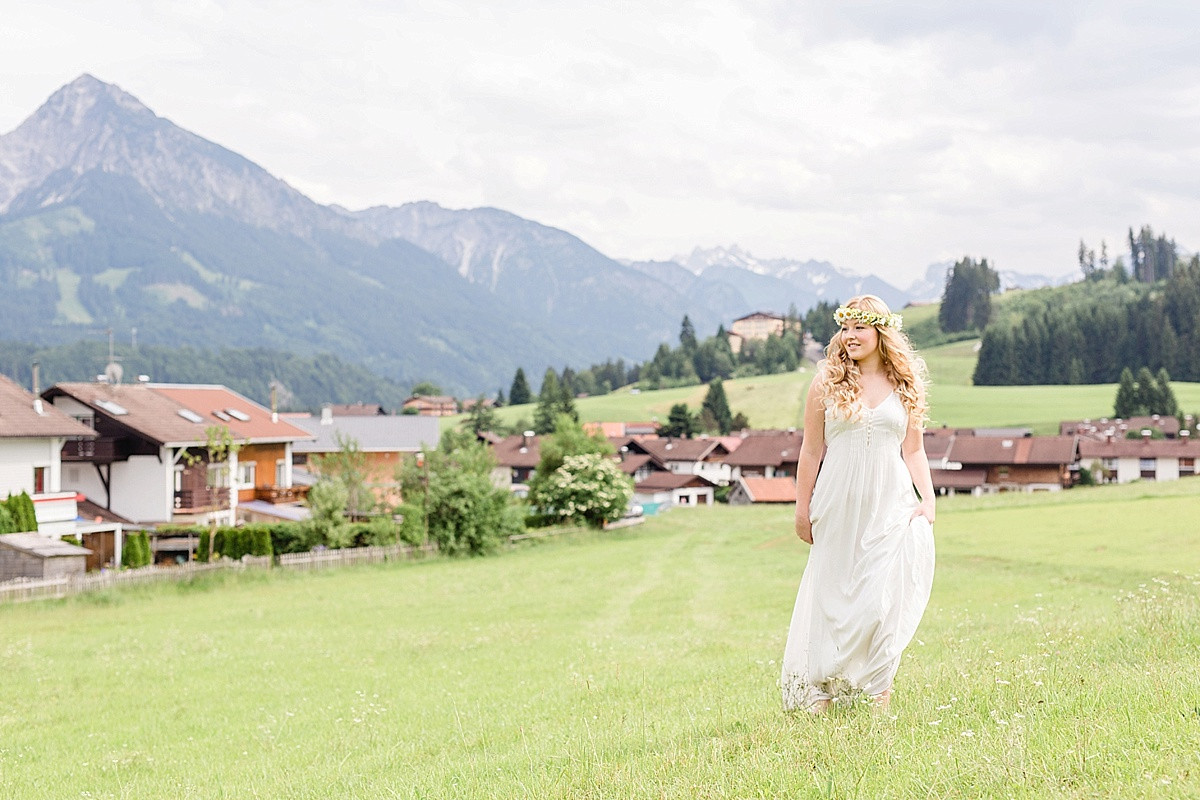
(882, 137)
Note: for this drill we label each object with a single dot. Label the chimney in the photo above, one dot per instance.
(275, 405)
(1146, 434)
(525, 438)
(37, 389)
(326, 415)
(1185, 435)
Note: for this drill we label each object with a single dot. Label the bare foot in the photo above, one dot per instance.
(818, 706)
(882, 699)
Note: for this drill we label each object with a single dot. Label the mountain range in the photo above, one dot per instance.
(112, 217)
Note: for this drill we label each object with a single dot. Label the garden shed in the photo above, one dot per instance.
(31, 555)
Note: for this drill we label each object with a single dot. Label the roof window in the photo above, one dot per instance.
(190, 416)
(116, 409)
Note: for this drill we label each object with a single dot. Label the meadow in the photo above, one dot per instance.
(777, 401)
(1057, 659)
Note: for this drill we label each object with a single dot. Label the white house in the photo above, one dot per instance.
(1125, 460)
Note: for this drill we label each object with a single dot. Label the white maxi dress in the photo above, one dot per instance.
(870, 568)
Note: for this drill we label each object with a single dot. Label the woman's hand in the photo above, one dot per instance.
(803, 525)
(926, 510)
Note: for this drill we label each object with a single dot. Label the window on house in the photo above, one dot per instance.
(1147, 467)
(39, 480)
(1187, 466)
(247, 472)
(281, 472)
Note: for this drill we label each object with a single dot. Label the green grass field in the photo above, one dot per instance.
(1058, 658)
(777, 401)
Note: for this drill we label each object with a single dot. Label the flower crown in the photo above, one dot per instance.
(844, 314)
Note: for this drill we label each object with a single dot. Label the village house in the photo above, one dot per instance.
(766, 454)
(762, 490)
(431, 406)
(149, 462)
(1120, 460)
(704, 457)
(1028, 463)
(516, 459)
(1103, 429)
(660, 491)
(383, 441)
(757, 326)
(32, 435)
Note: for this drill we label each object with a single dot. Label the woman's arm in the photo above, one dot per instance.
(810, 455)
(915, 459)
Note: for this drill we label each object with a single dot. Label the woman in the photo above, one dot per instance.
(870, 569)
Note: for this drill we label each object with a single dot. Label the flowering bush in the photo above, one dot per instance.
(587, 488)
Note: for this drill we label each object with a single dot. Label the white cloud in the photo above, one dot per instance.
(881, 137)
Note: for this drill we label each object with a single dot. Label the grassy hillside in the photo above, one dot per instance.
(1057, 659)
(776, 401)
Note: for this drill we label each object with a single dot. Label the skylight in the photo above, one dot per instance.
(115, 409)
(221, 415)
(239, 415)
(190, 416)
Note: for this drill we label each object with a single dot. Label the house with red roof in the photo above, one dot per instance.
(1121, 460)
(517, 457)
(703, 456)
(1026, 463)
(762, 490)
(32, 436)
(766, 454)
(660, 491)
(149, 461)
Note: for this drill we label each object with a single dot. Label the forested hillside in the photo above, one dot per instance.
(302, 382)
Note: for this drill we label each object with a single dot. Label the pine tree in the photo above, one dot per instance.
(547, 403)
(1169, 404)
(680, 422)
(687, 336)
(519, 393)
(1125, 405)
(717, 405)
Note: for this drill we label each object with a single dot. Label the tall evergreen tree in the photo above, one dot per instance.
(1170, 405)
(1126, 403)
(681, 423)
(549, 397)
(717, 405)
(519, 393)
(687, 336)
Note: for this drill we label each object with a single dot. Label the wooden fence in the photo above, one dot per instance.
(24, 589)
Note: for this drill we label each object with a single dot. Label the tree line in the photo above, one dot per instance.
(301, 382)
(1090, 332)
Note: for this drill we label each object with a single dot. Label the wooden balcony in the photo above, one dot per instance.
(201, 499)
(96, 451)
(280, 494)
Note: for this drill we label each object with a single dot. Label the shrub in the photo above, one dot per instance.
(587, 488)
(7, 523)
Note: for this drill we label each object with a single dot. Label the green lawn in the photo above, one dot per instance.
(777, 401)
(1057, 659)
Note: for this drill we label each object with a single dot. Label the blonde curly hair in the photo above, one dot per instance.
(905, 369)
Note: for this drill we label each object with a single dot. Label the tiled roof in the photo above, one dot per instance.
(1140, 448)
(1055, 450)
(518, 451)
(1103, 428)
(635, 461)
(19, 417)
(770, 490)
(374, 434)
(356, 409)
(661, 481)
(180, 414)
(671, 449)
(772, 450)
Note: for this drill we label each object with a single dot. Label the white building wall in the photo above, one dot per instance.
(143, 488)
(83, 478)
(1167, 469)
(18, 457)
(714, 471)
